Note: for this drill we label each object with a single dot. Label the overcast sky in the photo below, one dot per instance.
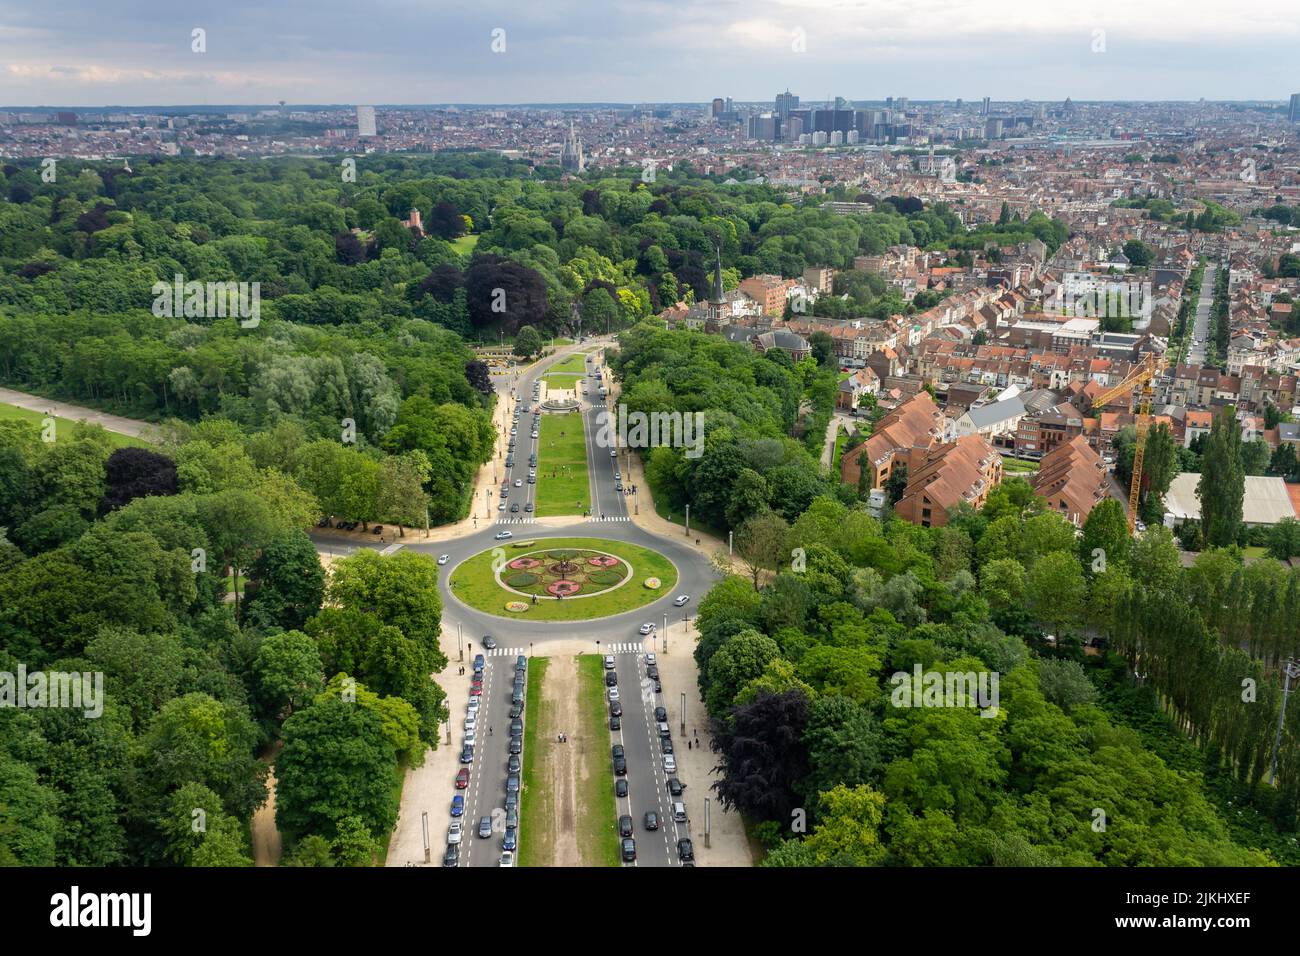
(138, 52)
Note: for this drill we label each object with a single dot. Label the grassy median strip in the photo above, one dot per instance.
(597, 824)
(536, 802)
(562, 486)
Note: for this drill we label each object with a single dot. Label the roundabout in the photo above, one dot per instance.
(562, 579)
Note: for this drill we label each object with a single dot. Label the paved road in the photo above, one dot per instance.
(610, 520)
(1201, 325)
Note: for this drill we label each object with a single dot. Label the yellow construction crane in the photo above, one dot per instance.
(1143, 375)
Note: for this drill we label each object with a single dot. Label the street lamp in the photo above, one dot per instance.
(683, 713)
(460, 647)
(1290, 671)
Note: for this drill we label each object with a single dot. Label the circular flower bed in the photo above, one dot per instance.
(516, 607)
(653, 583)
(604, 561)
(564, 572)
(523, 564)
(563, 588)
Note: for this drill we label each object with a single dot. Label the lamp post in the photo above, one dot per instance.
(730, 540)
(707, 821)
(424, 824)
(1290, 671)
(683, 713)
(688, 521)
(459, 646)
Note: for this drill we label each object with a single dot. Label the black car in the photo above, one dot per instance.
(516, 727)
(615, 723)
(617, 751)
(516, 745)
(512, 765)
(489, 641)
(521, 663)
(625, 826)
(659, 687)
(467, 753)
(666, 745)
(452, 856)
(661, 714)
(652, 672)
(620, 787)
(675, 786)
(516, 709)
(616, 708)
(629, 850)
(651, 820)
(611, 678)
(620, 766)
(685, 851)
(514, 508)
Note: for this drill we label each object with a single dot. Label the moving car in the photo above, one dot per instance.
(519, 482)
(489, 642)
(646, 628)
(484, 827)
(681, 599)
(502, 535)
(651, 820)
(443, 558)
(529, 507)
(514, 508)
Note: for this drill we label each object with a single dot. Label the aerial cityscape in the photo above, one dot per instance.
(861, 459)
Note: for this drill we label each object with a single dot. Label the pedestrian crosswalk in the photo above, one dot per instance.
(529, 520)
(609, 518)
(621, 647)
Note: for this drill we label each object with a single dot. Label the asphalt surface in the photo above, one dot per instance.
(609, 519)
(1201, 325)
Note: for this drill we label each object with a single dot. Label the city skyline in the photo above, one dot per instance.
(73, 52)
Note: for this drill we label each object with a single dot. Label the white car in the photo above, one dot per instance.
(519, 482)
(470, 738)
(646, 629)
(473, 707)
(443, 558)
(613, 453)
(507, 859)
(454, 833)
(681, 599)
(502, 535)
(613, 692)
(471, 723)
(609, 662)
(670, 763)
(651, 660)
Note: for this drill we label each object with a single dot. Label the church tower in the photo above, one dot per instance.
(571, 158)
(715, 318)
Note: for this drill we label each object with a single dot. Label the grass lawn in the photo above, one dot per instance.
(597, 828)
(535, 801)
(564, 374)
(473, 582)
(569, 492)
(464, 245)
(65, 426)
(1015, 466)
(841, 438)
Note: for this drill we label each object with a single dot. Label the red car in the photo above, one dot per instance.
(462, 778)
(476, 690)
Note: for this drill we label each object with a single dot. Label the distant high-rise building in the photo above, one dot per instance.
(785, 102)
(959, 102)
(793, 129)
(719, 106)
(993, 128)
(66, 119)
(366, 121)
(1294, 113)
(764, 126)
(985, 110)
(571, 157)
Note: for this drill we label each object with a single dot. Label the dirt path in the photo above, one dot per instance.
(563, 759)
(266, 838)
(113, 423)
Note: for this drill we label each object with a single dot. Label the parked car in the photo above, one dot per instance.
(625, 828)
(507, 859)
(512, 783)
(629, 850)
(613, 693)
(615, 723)
(616, 708)
(462, 778)
(675, 786)
(457, 806)
(512, 765)
(661, 713)
(651, 660)
(454, 833)
(510, 840)
(620, 787)
(620, 766)
(685, 851)
(484, 827)
(452, 856)
(670, 763)
(609, 662)
(467, 753)
(611, 678)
